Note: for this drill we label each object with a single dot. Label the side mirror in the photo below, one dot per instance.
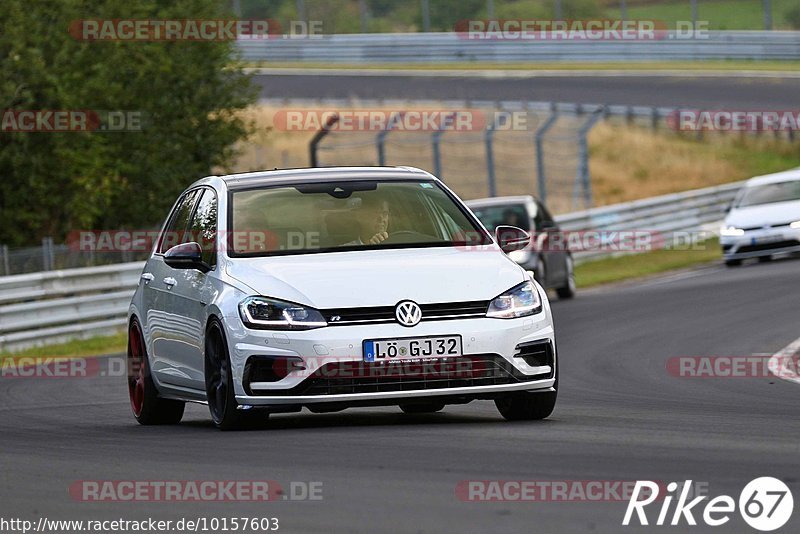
(186, 256)
(511, 238)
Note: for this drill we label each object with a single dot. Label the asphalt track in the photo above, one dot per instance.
(620, 416)
(735, 92)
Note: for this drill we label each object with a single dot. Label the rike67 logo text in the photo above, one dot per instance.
(765, 504)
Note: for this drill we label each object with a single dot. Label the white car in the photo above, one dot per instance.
(764, 219)
(330, 288)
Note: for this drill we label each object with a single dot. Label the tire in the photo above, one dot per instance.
(220, 394)
(567, 291)
(540, 273)
(427, 407)
(764, 259)
(147, 407)
(526, 406)
(733, 263)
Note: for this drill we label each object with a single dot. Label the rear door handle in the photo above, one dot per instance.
(169, 282)
(147, 277)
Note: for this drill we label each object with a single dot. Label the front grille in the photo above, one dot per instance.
(769, 246)
(385, 314)
(339, 378)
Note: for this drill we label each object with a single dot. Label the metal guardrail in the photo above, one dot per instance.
(55, 306)
(449, 47)
(668, 216)
(50, 307)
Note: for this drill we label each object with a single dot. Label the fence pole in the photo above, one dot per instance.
(539, 138)
(436, 138)
(380, 139)
(326, 128)
(582, 176)
(489, 139)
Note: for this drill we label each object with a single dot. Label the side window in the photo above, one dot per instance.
(203, 228)
(175, 232)
(546, 218)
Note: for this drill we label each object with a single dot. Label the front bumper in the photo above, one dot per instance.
(761, 242)
(498, 340)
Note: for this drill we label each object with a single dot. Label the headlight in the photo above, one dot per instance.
(795, 225)
(731, 231)
(271, 314)
(518, 301)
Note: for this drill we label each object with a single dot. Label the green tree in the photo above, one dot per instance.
(187, 92)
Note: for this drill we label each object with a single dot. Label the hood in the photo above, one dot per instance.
(764, 215)
(380, 277)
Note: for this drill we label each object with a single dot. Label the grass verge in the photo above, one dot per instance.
(77, 348)
(608, 270)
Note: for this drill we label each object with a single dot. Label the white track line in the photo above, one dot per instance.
(512, 73)
(777, 364)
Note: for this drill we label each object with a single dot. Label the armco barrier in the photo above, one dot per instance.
(699, 209)
(448, 47)
(50, 307)
(54, 306)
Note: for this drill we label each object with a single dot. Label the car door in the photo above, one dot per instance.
(554, 253)
(189, 293)
(161, 321)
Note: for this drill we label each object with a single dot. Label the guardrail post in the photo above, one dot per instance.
(539, 139)
(582, 179)
(436, 138)
(6, 267)
(48, 260)
(380, 139)
(654, 118)
(326, 128)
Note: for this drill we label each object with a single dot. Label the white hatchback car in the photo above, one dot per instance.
(332, 288)
(764, 219)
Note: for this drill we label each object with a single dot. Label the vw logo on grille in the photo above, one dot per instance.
(408, 313)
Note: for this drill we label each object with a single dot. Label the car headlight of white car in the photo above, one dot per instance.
(272, 314)
(519, 301)
(731, 231)
(795, 225)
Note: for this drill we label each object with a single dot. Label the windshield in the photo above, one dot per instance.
(508, 214)
(769, 193)
(348, 215)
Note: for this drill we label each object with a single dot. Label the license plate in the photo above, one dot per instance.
(411, 348)
(766, 239)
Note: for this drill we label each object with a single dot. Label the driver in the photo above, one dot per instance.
(373, 221)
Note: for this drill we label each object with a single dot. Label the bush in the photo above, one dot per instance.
(793, 17)
(53, 183)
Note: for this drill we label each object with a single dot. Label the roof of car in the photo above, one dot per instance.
(784, 176)
(323, 174)
(500, 201)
